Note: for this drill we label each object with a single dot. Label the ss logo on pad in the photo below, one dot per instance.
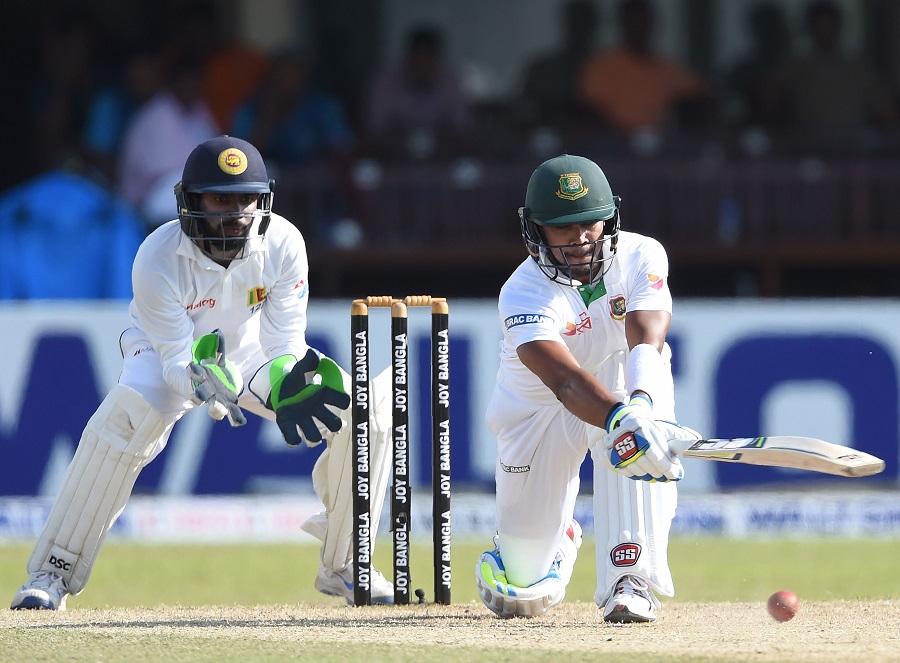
(625, 554)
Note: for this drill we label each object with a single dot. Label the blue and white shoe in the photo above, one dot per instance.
(43, 591)
(340, 583)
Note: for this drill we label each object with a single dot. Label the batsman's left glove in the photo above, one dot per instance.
(217, 382)
(304, 392)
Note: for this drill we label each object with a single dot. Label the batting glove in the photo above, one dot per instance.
(638, 446)
(216, 380)
(305, 392)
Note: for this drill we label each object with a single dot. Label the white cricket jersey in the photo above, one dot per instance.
(258, 303)
(532, 307)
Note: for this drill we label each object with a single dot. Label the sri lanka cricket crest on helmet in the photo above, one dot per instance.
(232, 161)
(571, 186)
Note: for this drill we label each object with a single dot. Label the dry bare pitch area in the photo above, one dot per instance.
(824, 631)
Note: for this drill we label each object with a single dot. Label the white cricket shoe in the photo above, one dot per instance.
(632, 601)
(340, 583)
(43, 591)
(507, 600)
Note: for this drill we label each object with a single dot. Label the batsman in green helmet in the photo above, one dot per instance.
(584, 366)
(556, 199)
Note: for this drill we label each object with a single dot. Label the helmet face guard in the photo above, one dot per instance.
(225, 166)
(560, 269)
(210, 230)
(564, 191)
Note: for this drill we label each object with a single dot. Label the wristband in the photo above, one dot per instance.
(615, 414)
(640, 399)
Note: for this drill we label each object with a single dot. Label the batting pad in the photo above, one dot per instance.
(631, 524)
(116, 444)
(632, 518)
(333, 477)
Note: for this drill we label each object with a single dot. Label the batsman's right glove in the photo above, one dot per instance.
(638, 446)
(305, 391)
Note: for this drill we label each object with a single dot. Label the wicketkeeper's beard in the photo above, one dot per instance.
(222, 239)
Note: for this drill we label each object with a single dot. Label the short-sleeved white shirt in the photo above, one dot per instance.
(259, 302)
(532, 307)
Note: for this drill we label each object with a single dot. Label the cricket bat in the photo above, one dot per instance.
(801, 453)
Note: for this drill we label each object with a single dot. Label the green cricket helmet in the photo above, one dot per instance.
(564, 191)
(224, 165)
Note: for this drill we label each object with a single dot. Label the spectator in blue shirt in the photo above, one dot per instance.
(66, 237)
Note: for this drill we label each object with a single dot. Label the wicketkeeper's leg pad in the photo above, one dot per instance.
(333, 477)
(119, 440)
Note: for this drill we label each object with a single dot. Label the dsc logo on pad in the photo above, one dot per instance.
(58, 563)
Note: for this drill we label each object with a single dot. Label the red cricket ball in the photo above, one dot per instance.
(783, 605)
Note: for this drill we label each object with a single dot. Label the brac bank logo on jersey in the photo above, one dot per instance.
(525, 319)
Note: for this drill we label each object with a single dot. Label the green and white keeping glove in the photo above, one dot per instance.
(304, 392)
(217, 382)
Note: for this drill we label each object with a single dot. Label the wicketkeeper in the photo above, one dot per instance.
(220, 299)
(584, 365)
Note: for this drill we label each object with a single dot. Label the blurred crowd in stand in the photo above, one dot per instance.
(797, 141)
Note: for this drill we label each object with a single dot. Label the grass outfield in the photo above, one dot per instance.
(705, 570)
(256, 603)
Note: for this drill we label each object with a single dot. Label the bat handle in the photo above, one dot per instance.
(679, 445)
(681, 438)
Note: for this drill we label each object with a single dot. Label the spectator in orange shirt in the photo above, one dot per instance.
(232, 68)
(631, 88)
(232, 74)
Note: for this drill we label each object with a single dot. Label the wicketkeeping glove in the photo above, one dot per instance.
(216, 380)
(638, 446)
(304, 392)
